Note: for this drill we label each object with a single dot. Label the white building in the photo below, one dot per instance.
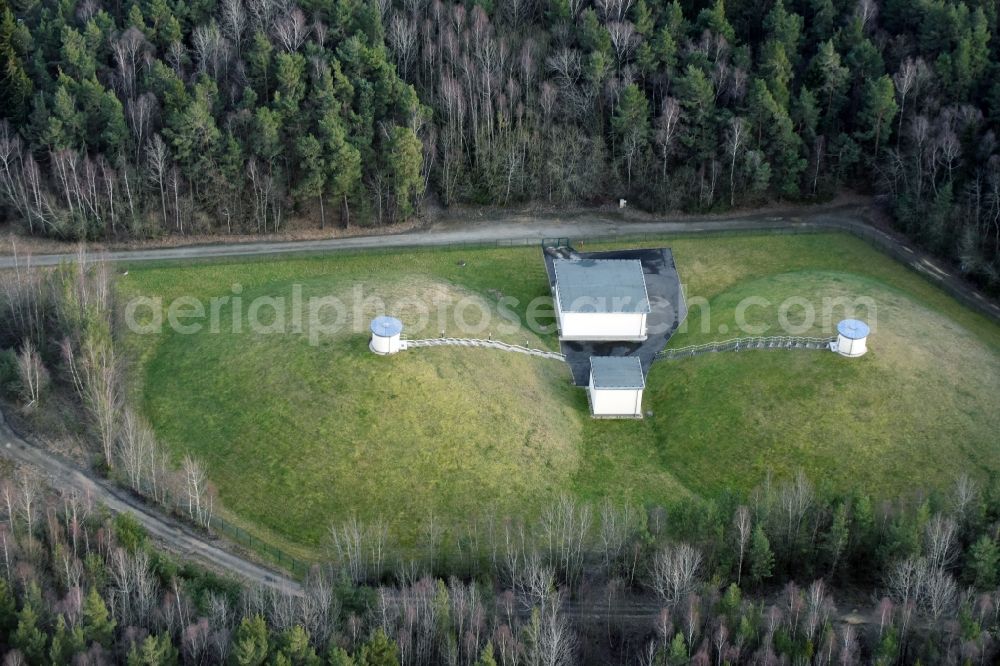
(386, 335)
(616, 384)
(852, 337)
(600, 299)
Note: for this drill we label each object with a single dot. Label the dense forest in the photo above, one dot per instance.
(699, 582)
(142, 118)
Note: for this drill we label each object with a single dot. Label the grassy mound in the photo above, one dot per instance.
(298, 437)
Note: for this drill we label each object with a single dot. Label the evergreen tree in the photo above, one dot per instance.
(380, 650)
(65, 642)
(878, 111)
(761, 556)
(16, 87)
(486, 656)
(829, 79)
(984, 560)
(311, 182)
(403, 159)
(250, 644)
(631, 127)
(338, 656)
(295, 648)
(28, 636)
(156, 650)
(8, 607)
(97, 624)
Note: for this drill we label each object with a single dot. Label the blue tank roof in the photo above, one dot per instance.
(386, 327)
(853, 329)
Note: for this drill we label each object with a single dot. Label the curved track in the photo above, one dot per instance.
(170, 533)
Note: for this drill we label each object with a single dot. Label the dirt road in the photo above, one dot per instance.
(171, 534)
(527, 228)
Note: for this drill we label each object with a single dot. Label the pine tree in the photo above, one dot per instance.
(984, 558)
(156, 650)
(296, 649)
(337, 656)
(878, 110)
(16, 88)
(250, 646)
(403, 158)
(65, 642)
(784, 27)
(678, 650)
(631, 127)
(8, 608)
(761, 556)
(312, 172)
(97, 623)
(486, 656)
(28, 637)
(829, 78)
(379, 651)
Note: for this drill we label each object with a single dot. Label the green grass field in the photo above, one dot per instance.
(297, 437)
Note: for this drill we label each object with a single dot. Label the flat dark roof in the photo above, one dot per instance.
(665, 297)
(601, 285)
(617, 372)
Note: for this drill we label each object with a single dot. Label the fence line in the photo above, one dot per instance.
(488, 344)
(175, 505)
(293, 564)
(882, 241)
(746, 344)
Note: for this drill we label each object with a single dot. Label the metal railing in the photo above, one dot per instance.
(486, 344)
(746, 344)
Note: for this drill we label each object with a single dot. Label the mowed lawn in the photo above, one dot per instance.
(299, 436)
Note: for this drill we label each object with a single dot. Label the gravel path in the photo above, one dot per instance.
(172, 534)
(504, 229)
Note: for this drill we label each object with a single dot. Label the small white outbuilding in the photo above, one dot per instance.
(616, 384)
(386, 335)
(600, 299)
(852, 338)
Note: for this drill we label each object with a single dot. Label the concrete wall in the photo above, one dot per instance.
(385, 345)
(849, 347)
(615, 402)
(602, 326)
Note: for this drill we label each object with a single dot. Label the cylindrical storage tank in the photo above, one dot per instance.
(386, 333)
(852, 337)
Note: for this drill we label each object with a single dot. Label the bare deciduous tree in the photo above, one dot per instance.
(744, 528)
(133, 587)
(31, 373)
(291, 30)
(200, 500)
(127, 50)
(941, 542)
(360, 549)
(736, 135)
(135, 443)
(402, 37)
(623, 40)
(552, 639)
(667, 126)
(675, 572)
(234, 22)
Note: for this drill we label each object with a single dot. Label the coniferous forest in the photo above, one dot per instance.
(137, 119)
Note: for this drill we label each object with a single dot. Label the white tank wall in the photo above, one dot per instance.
(602, 325)
(848, 347)
(616, 402)
(385, 344)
